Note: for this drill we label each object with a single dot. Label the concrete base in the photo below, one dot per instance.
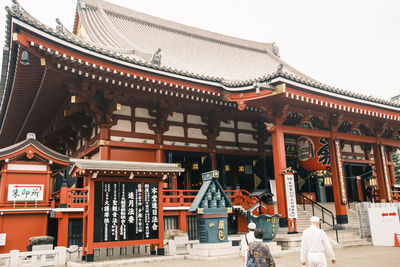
(288, 242)
(207, 251)
(343, 226)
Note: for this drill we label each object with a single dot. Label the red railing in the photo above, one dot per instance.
(26, 204)
(71, 197)
(184, 198)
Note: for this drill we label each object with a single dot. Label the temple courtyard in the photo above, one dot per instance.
(351, 256)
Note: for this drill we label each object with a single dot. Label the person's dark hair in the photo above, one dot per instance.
(258, 233)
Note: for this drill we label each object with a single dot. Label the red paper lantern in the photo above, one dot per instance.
(313, 153)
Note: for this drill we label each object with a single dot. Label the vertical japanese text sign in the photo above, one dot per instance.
(290, 196)
(128, 211)
(340, 172)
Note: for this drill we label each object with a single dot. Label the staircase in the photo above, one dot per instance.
(347, 237)
(303, 220)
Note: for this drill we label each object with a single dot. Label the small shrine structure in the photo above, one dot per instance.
(212, 206)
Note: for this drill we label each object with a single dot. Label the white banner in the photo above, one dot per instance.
(273, 189)
(25, 192)
(3, 239)
(384, 223)
(290, 196)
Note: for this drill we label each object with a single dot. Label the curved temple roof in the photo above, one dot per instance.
(235, 64)
(182, 47)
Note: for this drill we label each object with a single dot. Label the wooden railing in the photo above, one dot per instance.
(184, 198)
(71, 197)
(77, 197)
(26, 204)
(396, 195)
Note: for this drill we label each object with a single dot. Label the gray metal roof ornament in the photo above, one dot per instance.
(16, 7)
(156, 59)
(24, 58)
(81, 4)
(280, 67)
(60, 27)
(275, 50)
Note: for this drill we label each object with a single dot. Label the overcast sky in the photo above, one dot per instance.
(349, 44)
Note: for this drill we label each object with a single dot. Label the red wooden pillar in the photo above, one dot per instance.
(359, 189)
(182, 221)
(104, 138)
(279, 156)
(340, 207)
(174, 182)
(379, 172)
(214, 161)
(159, 141)
(62, 232)
(391, 168)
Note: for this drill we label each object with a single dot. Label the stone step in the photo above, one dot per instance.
(355, 242)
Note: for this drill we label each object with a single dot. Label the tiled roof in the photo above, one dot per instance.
(132, 36)
(196, 51)
(31, 141)
(115, 165)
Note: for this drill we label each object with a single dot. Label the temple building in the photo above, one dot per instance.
(130, 101)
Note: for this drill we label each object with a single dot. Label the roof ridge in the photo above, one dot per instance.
(181, 28)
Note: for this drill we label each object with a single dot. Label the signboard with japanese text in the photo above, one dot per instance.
(291, 196)
(129, 211)
(340, 173)
(25, 192)
(153, 210)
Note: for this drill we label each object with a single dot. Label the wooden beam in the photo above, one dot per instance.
(305, 131)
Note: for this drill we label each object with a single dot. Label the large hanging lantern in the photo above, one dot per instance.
(313, 153)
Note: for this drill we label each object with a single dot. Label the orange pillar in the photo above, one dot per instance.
(174, 182)
(104, 138)
(379, 172)
(160, 157)
(391, 168)
(279, 156)
(359, 189)
(182, 221)
(340, 204)
(62, 232)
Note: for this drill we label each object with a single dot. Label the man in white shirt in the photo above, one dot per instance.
(247, 239)
(314, 243)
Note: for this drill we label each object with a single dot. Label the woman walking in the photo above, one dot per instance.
(258, 254)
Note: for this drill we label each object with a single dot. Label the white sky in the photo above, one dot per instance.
(349, 44)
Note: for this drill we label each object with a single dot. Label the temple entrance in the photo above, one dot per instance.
(237, 172)
(241, 172)
(357, 181)
(194, 164)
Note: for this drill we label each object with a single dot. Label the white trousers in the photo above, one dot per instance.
(316, 259)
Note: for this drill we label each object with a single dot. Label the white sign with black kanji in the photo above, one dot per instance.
(291, 196)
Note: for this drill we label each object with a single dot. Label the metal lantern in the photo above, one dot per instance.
(372, 181)
(327, 180)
